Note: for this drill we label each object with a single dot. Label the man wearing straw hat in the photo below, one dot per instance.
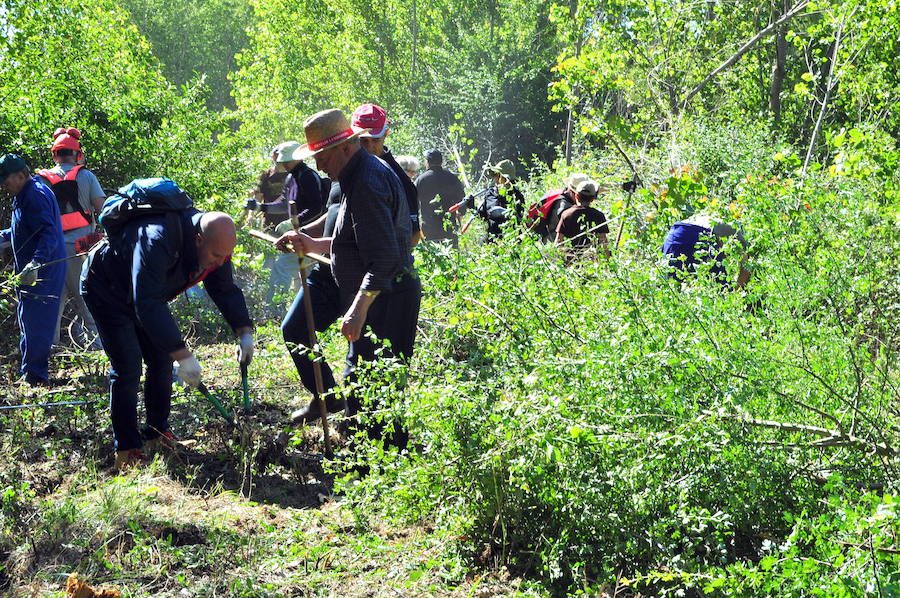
(370, 249)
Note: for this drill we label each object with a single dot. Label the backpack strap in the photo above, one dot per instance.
(70, 176)
(73, 172)
(49, 175)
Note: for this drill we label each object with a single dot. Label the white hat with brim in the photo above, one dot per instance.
(587, 189)
(325, 130)
(572, 181)
(286, 151)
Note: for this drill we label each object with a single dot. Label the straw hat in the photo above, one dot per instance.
(572, 181)
(324, 130)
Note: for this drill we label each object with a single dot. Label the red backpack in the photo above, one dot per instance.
(66, 191)
(544, 214)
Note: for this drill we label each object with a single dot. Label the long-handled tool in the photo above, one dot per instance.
(217, 404)
(313, 339)
(469, 201)
(258, 234)
(245, 387)
(37, 405)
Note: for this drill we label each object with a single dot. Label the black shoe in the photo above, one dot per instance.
(33, 380)
(310, 413)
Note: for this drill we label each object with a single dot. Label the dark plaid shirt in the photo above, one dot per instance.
(371, 236)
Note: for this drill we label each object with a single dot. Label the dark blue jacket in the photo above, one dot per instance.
(36, 232)
(303, 192)
(370, 249)
(147, 266)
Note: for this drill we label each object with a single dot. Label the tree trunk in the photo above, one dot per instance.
(415, 49)
(777, 82)
(570, 121)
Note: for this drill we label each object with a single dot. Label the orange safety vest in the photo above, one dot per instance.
(67, 194)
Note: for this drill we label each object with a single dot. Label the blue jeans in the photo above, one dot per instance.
(323, 292)
(129, 346)
(283, 270)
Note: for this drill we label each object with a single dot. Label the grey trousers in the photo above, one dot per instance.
(85, 330)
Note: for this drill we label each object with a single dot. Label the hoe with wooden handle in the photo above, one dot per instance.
(311, 326)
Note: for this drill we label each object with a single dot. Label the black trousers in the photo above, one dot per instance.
(326, 304)
(392, 317)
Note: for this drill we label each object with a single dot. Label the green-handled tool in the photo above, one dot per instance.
(245, 386)
(216, 403)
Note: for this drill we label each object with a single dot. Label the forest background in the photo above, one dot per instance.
(586, 428)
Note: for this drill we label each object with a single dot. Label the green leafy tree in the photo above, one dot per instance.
(195, 38)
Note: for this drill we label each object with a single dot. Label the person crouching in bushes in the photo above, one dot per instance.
(699, 240)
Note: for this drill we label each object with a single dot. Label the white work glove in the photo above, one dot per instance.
(29, 274)
(188, 371)
(245, 349)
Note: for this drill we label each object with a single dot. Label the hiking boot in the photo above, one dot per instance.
(33, 380)
(310, 413)
(130, 458)
(164, 442)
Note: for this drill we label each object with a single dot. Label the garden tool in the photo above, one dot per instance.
(36, 405)
(216, 403)
(313, 342)
(257, 234)
(83, 246)
(245, 387)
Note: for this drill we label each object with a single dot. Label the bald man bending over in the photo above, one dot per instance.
(127, 285)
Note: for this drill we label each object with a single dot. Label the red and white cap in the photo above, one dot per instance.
(372, 117)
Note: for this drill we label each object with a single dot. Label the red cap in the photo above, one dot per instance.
(66, 139)
(372, 117)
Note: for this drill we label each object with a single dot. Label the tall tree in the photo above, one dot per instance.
(194, 38)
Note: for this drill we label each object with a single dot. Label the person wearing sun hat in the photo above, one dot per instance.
(374, 118)
(36, 237)
(581, 224)
(543, 216)
(268, 195)
(503, 199)
(370, 253)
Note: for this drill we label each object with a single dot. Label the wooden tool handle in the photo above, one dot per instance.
(258, 234)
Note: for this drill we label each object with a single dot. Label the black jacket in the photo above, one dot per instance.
(150, 264)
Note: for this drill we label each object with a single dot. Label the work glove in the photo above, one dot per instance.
(188, 371)
(630, 186)
(245, 349)
(251, 204)
(29, 274)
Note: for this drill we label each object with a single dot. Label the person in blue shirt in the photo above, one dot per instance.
(37, 241)
(127, 284)
(699, 240)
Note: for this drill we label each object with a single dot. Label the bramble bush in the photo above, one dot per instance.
(599, 422)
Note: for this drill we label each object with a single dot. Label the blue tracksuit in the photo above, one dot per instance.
(688, 244)
(127, 285)
(36, 235)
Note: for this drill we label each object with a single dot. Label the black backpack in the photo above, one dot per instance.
(144, 197)
(66, 191)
